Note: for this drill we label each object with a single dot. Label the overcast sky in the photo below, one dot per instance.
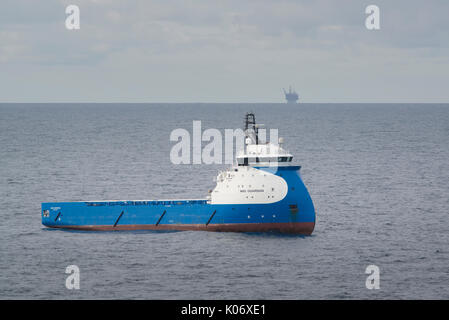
(224, 51)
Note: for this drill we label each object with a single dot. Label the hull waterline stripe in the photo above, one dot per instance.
(303, 228)
(121, 214)
(211, 217)
(160, 218)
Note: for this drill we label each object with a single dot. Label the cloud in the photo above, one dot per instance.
(241, 48)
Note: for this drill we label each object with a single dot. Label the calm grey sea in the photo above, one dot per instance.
(378, 175)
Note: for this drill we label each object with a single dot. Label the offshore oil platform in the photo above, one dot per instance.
(291, 96)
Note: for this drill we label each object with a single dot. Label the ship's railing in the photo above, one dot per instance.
(145, 203)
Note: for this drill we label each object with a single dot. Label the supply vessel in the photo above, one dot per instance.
(261, 192)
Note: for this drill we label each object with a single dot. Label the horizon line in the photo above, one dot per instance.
(282, 103)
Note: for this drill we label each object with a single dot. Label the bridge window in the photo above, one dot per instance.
(245, 161)
(242, 161)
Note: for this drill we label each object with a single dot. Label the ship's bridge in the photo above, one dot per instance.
(267, 154)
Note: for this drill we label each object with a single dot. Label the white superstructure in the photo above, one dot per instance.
(245, 182)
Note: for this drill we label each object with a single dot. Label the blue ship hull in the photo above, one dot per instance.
(295, 213)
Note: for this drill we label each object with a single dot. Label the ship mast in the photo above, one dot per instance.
(251, 130)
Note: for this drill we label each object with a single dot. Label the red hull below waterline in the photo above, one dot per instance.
(302, 228)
